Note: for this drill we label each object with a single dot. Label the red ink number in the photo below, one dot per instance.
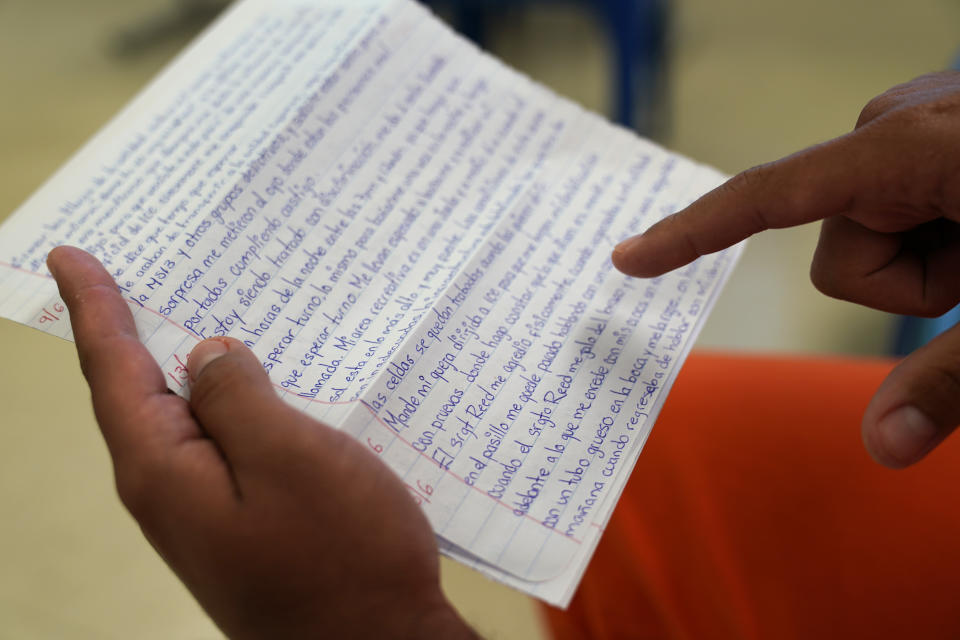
(418, 497)
(180, 373)
(377, 448)
(52, 316)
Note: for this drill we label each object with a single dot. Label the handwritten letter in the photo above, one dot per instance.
(415, 241)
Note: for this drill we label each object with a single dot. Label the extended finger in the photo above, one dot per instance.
(916, 407)
(816, 183)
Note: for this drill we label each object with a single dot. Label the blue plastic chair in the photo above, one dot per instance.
(637, 30)
(915, 332)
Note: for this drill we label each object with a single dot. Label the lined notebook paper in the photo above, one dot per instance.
(414, 239)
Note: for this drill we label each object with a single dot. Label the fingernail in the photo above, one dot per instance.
(906, 434)
(202, 355)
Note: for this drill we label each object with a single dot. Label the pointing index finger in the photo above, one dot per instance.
(816, 183)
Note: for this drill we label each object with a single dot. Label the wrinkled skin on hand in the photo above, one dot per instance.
(889, 197)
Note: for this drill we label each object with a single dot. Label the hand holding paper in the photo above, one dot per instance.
(413, 241)
(280, 526)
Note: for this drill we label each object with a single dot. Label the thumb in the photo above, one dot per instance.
(917, 406)
(234, 400)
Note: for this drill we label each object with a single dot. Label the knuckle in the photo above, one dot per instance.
(830, 269)
(946, 380)
(922, 114)
(747, 184)
(95, 293)
(936, 390)
(824, 279)
(88, 303)
(827, 276)
(874, 109)
(926, 94)
(934, 306)
(936, 113)
(748, 179)
(770, 192)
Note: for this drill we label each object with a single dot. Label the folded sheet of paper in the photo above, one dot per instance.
(415, 241)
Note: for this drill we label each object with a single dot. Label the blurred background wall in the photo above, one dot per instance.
(747, 82)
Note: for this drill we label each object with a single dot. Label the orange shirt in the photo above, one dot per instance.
(754, 512)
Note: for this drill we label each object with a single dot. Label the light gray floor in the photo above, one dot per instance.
(752, 81)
